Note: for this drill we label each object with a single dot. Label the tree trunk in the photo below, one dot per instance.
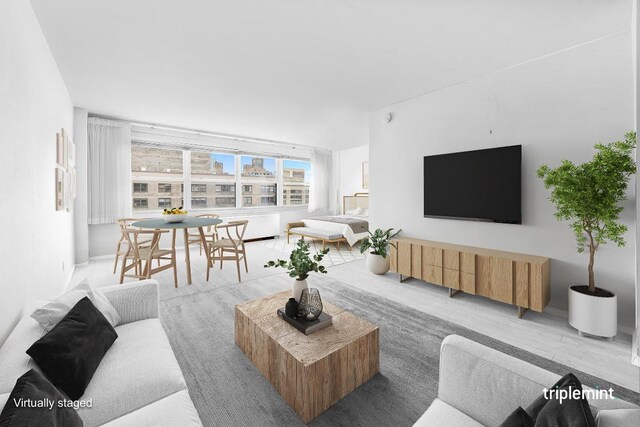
(592, 252)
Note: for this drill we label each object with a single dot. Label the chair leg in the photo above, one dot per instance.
(124, 264)
(244, 256)
(288, 237)
(338, 244)
(115, 264)
(238, 265)
(175, 269)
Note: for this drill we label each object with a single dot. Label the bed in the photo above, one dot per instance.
(350, 227)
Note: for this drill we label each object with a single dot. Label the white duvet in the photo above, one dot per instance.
(334, 227)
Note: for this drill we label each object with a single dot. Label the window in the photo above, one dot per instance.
(164, 188)
(258, 175)
(267, 201)
(268, 189)
(140, 187)
(197, 202)
(158, 179)
(213, 175)
(164, 202)
(225, 202)
(141, 203)
(225, 188)
(295, 179)
(156, 172)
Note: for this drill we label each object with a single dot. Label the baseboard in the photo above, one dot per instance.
(558, 312)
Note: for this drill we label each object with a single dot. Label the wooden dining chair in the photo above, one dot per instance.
(210, 232)
(230, 247)
(125, 223)
(140, 257)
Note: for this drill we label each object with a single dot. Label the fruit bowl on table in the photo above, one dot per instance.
(174, 215)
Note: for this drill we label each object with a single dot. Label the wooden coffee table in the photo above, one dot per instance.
(311, 372)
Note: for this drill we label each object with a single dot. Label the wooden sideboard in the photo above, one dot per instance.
(513, 278)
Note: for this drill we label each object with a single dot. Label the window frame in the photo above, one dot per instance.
(187, 181)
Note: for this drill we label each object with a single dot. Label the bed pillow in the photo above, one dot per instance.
(50, 314)
(33, 387)
(356, 211)
(71, 352)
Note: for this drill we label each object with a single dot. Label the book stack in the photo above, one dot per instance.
(306, 326)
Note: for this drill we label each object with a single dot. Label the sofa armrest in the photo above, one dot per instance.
(134, 301)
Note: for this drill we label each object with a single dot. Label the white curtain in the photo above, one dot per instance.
(109, 171)
(320, 186)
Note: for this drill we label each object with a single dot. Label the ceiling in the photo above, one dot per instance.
(301, 71)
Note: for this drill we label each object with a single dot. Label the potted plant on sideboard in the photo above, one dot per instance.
(377, 243)
(300, 265)
(589, 196)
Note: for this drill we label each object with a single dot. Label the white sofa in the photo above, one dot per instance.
(138, 383)
(480, 386)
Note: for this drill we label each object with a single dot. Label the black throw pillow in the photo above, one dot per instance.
(518, 418)
(70, 353)
(34, 401)
(549, 412)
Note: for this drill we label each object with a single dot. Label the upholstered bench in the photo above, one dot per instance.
(299, 229)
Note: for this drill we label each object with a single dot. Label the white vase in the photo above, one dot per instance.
(593, 315)
(298, 287)
(377, 263)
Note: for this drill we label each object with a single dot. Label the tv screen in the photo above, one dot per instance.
(481, 185)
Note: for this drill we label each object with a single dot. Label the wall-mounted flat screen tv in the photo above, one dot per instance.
(480, 185)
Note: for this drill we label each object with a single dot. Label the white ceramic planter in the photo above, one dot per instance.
(377, 263)
(298, 287)
(593, 315)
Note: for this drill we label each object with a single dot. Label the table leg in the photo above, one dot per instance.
(203, 243)
(187, 258)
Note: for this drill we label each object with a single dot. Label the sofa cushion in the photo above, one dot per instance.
(50, 314)
(71, 352)
(45, 408)
(174, 410)
(442, 414)
(618, 418)
(139, 369)
(14, 360)
(321, 234)
(552, 409)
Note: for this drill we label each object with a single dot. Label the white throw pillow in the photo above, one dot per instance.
(356, 211)
(49, 315)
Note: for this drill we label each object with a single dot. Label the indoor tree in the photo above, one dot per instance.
(590, 196)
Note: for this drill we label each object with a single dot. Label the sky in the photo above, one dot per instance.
(228, 162)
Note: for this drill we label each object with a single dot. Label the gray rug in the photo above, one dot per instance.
(228, 390)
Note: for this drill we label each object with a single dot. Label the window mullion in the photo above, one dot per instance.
(186, 178)
(280, 182)
(238, 181)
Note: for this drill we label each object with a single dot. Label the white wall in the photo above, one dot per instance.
(347, 174)
(37, 253)
(557, 107)
(80, 214)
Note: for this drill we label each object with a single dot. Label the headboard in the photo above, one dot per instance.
(358, 200)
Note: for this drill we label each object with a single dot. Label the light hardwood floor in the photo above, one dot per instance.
(545, 334)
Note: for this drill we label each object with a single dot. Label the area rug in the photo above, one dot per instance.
(228, 390)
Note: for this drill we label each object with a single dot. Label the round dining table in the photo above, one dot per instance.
(189, 222)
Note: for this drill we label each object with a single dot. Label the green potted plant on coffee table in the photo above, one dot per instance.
(300, 264)
(589, 195)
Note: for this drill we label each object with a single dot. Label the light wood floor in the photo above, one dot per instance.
(544, 334)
